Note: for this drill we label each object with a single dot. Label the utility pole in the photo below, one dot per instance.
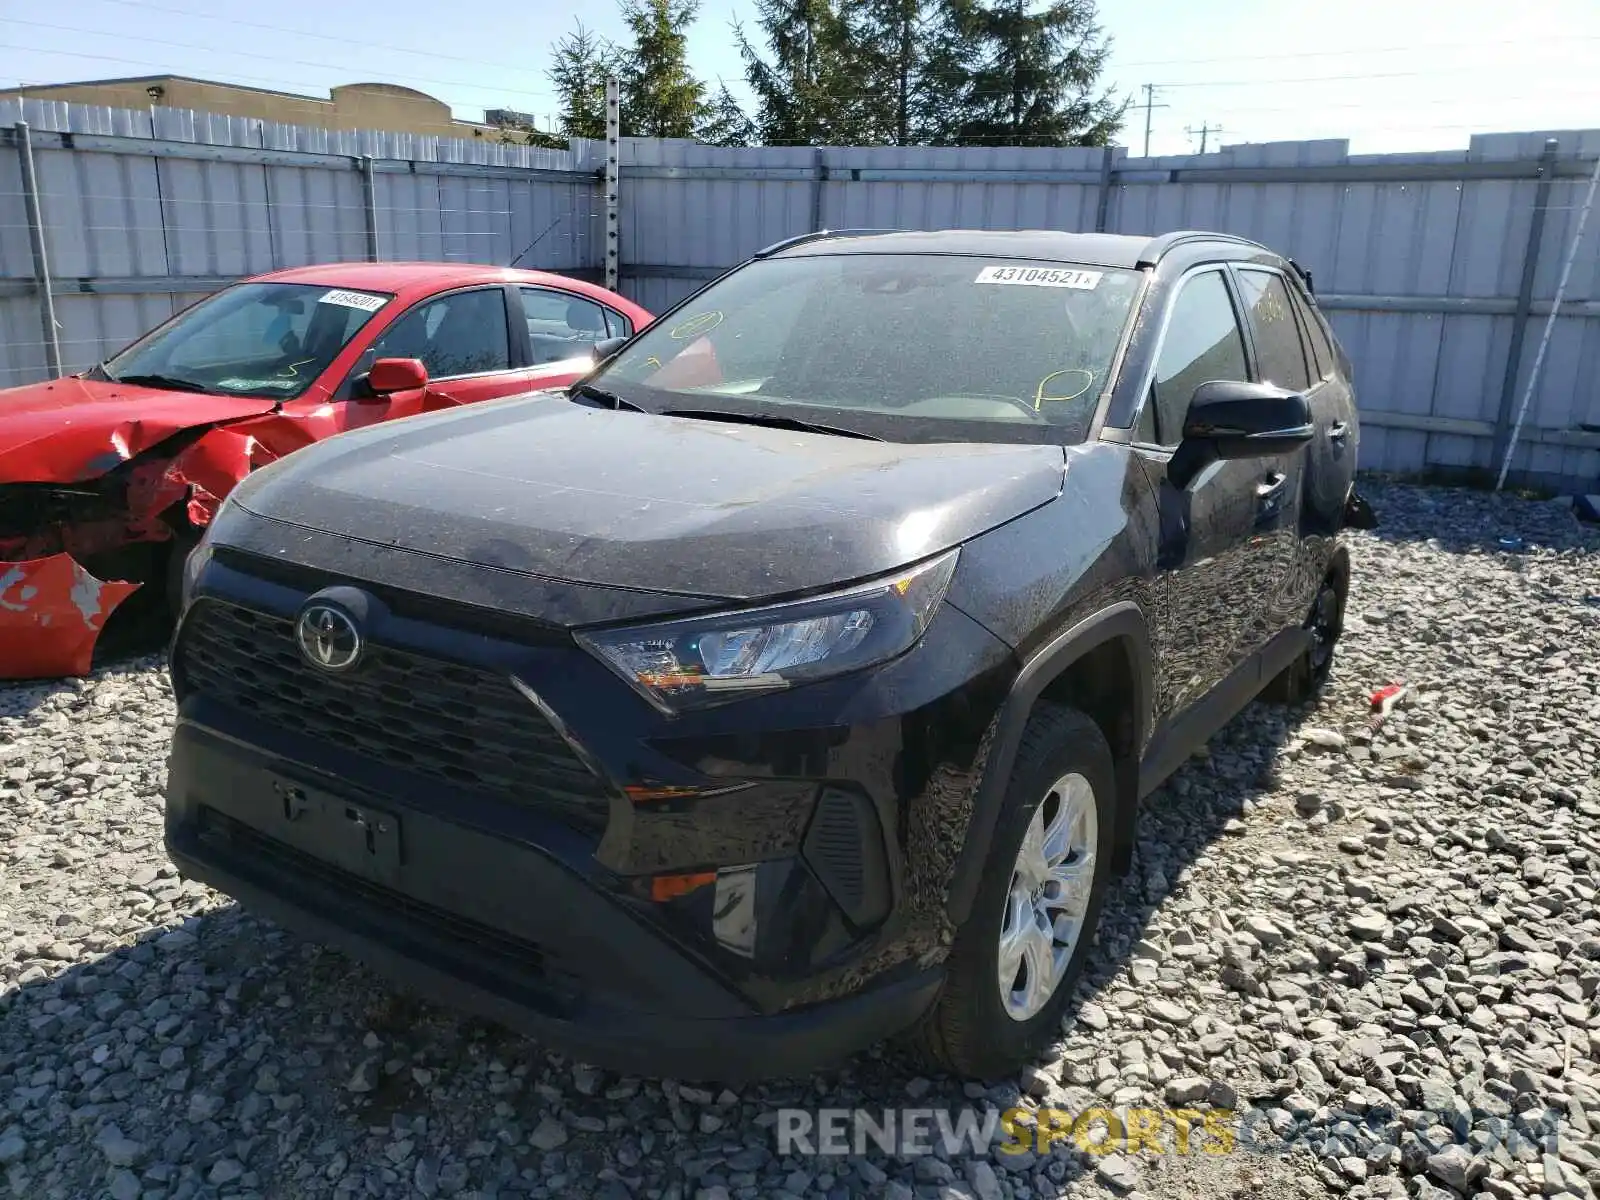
(1149, 106)
(1205, 129)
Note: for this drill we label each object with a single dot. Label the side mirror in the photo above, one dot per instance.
(606, 347)
(1228, 419)
(396, 375)
(1247, 420)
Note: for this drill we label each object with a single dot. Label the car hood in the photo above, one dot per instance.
(72, 429)
(655, 503)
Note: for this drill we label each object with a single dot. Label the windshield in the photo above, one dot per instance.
(905, 347)
(252, 339)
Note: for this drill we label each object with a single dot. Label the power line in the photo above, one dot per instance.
(1415, 49)
(299, 62)
(143, 6)
(1359, 75)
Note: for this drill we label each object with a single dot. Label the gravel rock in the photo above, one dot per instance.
(1456, 1167)
(549, 1135)
(1395, 958)
(1119, 1172)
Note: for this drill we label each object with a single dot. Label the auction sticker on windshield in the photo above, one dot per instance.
(1041, 277)
(362, 300)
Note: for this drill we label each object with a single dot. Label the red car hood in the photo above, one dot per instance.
(73, 429)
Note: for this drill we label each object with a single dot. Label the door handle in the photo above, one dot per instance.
(1338, 431)
(1271, 485)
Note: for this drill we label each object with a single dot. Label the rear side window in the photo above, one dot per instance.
(1323, 361)
(1202, 344)
(561, 326)
(1279, 352)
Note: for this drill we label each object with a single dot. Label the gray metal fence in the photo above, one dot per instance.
(1437, 269)
(143, 213)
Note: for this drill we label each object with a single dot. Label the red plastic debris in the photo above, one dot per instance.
(1384, 701)
(51, 613)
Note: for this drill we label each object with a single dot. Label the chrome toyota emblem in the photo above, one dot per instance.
(328, 637)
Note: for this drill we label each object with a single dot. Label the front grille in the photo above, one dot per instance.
(240, 842)
(455, 724)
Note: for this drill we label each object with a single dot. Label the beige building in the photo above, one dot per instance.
(384, 106)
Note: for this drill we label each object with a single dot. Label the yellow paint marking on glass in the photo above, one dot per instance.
(1038, 394)
(696, 325)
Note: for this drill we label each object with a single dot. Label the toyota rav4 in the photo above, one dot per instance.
(793, 679)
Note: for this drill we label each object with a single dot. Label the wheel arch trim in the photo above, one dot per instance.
(1122, 620)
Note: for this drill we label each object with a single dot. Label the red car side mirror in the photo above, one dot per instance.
(397, 375)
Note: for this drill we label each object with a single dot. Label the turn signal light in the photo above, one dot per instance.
(670, 887)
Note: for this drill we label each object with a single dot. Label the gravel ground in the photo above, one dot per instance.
(1383, 950)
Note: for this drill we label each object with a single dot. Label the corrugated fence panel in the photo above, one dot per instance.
(1568, 392)
(1418, 258)
(410, 223)
(317, 216)
(126, 223)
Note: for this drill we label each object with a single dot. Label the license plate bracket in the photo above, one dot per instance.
(351, 835)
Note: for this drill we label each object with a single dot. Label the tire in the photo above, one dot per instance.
(1302, 679)
(973, 1031)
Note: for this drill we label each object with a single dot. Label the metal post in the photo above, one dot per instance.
(1519, 318)
(369, 204)
(1549, 324)
(819, 176)
(1150, 106)
(36, 243)
(1103, 200)
(613, 179)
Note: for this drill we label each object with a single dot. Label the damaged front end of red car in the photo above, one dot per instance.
(70, 553)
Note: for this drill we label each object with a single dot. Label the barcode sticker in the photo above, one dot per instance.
(1061, 277)
(365, 301)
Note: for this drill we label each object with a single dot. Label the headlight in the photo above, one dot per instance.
(708, 660)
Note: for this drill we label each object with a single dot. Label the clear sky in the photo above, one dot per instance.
(1388, 74)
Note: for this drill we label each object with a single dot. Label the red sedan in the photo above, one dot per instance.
(108, 475)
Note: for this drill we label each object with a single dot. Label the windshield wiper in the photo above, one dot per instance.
(609, 399)
(172, 383)
(771, 420)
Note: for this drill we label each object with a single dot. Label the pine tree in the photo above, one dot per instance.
(582, 61)
(725, 123)
(1021, 75)
(660, 96)
(811, 90)
(890, 40)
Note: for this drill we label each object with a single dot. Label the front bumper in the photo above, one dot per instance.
(498, 929)
(484, 809)
(51, 613)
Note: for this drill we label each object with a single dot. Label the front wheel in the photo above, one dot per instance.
(1014, 961)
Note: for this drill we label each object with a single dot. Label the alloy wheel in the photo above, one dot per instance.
(1048, 899)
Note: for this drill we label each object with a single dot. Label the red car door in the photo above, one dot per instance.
(477, 348)
(465, 341)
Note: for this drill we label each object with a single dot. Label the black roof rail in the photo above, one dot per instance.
(1164, 243)
(817, 235)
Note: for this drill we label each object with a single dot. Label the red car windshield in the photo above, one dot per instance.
(252, 339)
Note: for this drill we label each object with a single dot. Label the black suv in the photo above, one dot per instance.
(793, 680)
